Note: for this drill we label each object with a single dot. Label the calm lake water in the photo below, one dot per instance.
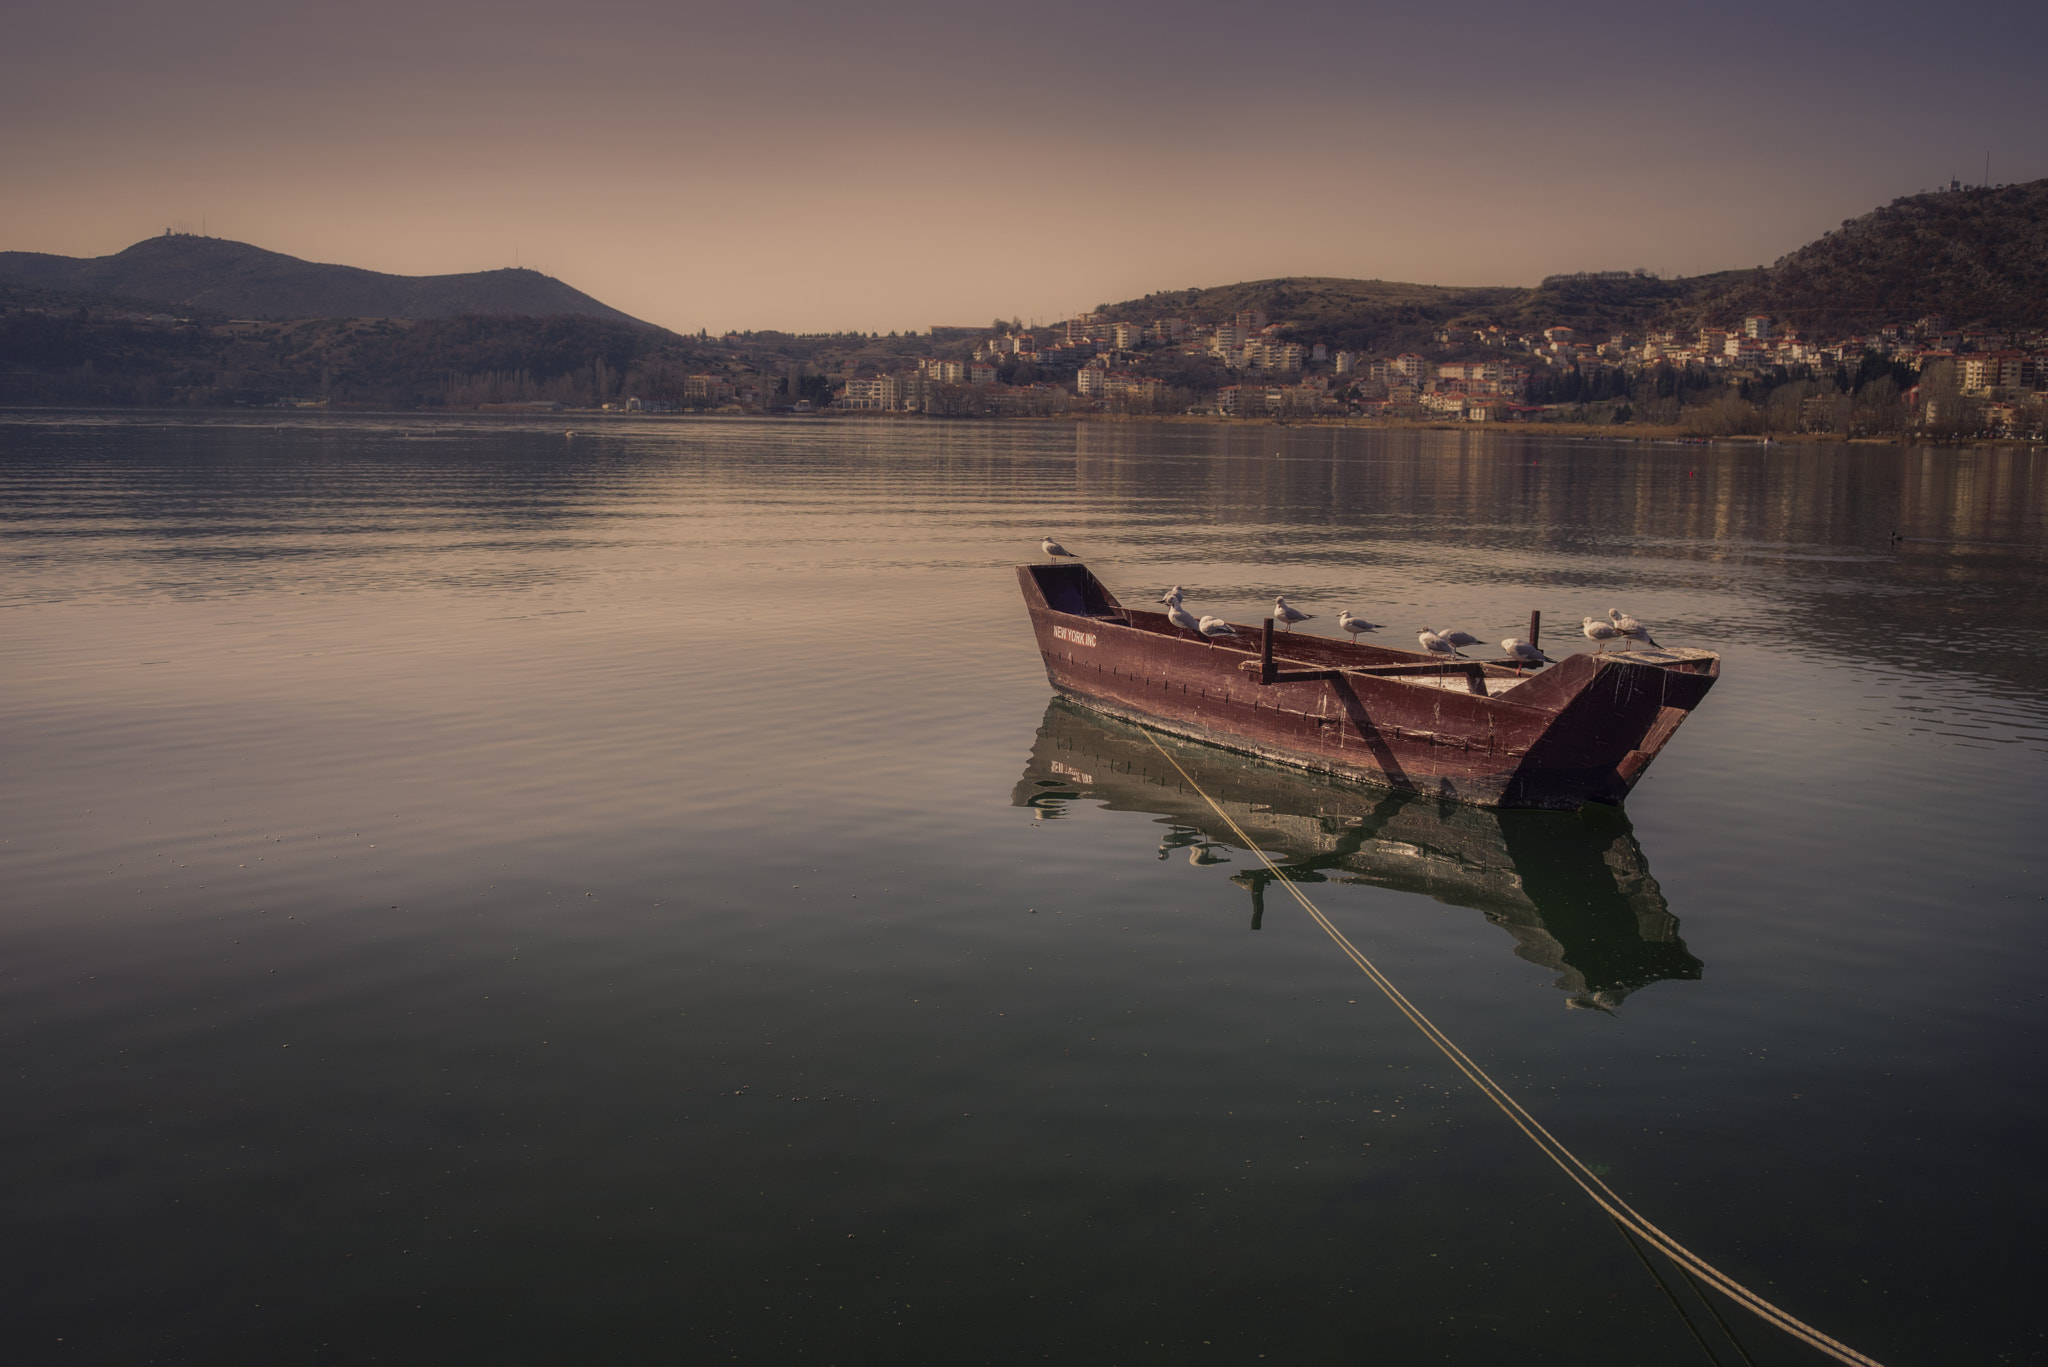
(474, 895)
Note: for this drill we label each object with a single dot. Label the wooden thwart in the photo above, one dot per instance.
(1473, 670)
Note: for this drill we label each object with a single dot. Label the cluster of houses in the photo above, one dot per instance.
(2001, 377)
(1095, 361)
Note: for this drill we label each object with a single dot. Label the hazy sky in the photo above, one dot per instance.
(892, 165)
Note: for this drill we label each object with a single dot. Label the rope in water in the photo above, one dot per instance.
(1587, 1180)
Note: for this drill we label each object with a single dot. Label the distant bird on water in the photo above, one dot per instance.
(1459, 638)
(1290, 615)
(1438, 646)
(1056, 550)
(1355, 625)
(1524, 653)
(1631, 628)
(1212, 627)
(1599, 632)
(1182, 618)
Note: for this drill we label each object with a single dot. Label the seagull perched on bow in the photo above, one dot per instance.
(1631, 628)
(1524, 653)
(1290, 615)
(1182, 618)
(1212, 627)
(1355, 625)
(1459, 639)
(1056, 550)
(1599, 632)
(1438, 646)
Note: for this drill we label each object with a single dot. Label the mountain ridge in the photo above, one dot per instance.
(237, 279)
(1978, 256)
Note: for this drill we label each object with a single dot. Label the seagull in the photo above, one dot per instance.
(1631, 628)
(1354, 625)
(1212, 627)
(1172, 596)
(1055, 549)
(1182, 618)
(1524, 653)
(1459, 638)
(1288, 615)
(1599, 632)
(1437, 645)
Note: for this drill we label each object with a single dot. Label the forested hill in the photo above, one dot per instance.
(237, 280)
(1360, 315)
(1978, 257)
(1382, 316)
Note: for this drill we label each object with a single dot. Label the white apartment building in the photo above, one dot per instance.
(883, 393)
(1982, 371)
(1242, 400)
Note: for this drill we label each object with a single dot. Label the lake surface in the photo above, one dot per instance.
(479, 895)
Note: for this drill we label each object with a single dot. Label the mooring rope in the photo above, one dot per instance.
(1587, 1180)
(1665, 1287)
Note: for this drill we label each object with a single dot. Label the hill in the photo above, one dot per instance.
(1364, 315)
(1386, 316)
(1978, 257)
(234, 279)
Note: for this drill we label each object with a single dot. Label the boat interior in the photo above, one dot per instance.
(1073, 589)
(1299, 656)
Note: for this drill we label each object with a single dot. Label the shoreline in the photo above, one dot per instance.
(1645, 433)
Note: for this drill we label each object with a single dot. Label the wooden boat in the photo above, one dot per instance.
(1485, 732)
(1574, 890)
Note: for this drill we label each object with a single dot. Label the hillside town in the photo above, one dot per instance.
(1932, 376)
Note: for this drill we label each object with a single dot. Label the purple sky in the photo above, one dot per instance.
(887, 166)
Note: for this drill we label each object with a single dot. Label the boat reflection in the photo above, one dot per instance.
(1573, 888)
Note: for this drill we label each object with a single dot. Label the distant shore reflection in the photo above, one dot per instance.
(1573, 889)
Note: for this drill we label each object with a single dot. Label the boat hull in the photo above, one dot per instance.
(1583, 730)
